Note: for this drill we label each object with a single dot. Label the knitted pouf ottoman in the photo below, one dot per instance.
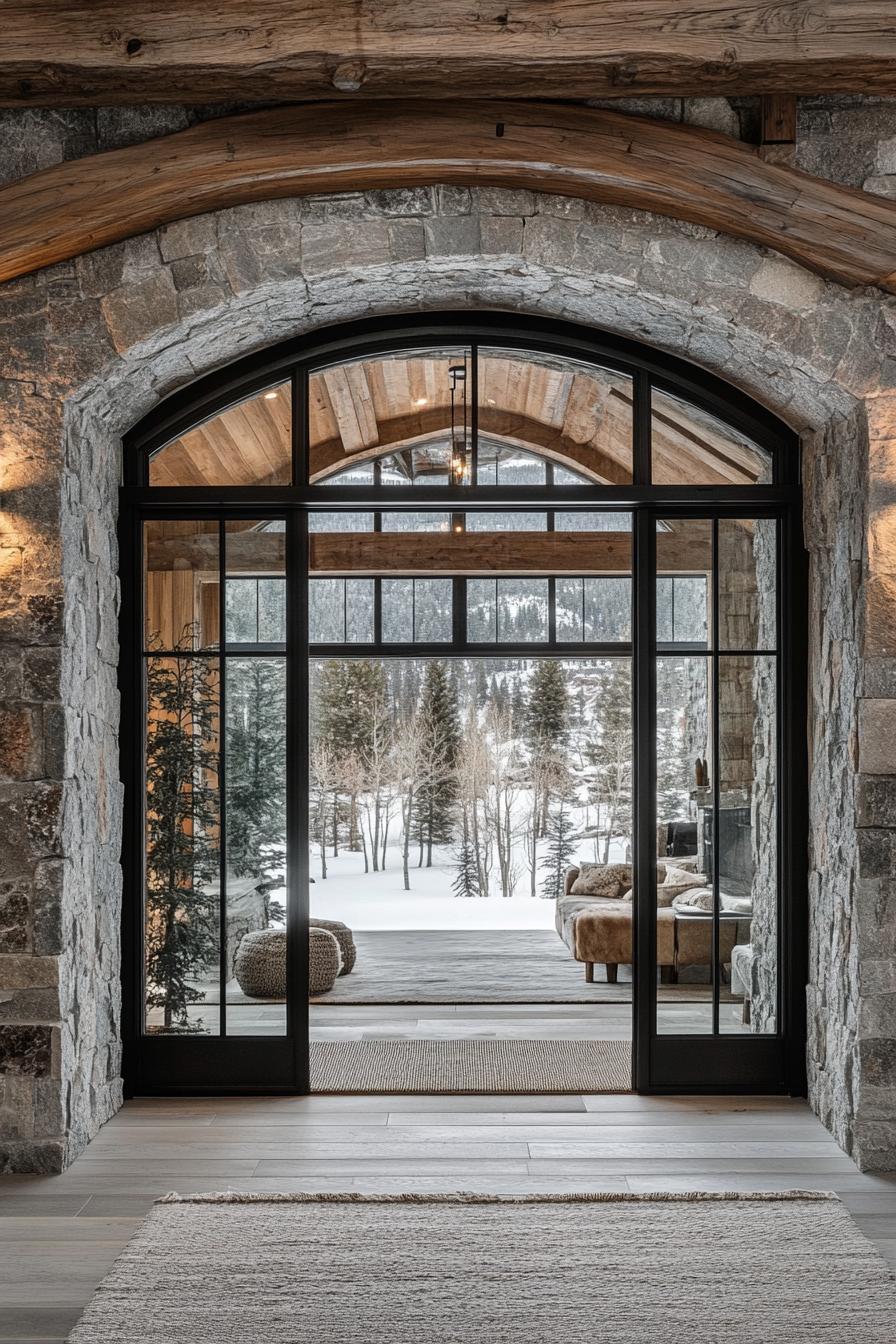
(324, 960)
(343, 935)
(260, 963)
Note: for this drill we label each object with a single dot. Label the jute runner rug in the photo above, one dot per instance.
(461, 1269)
(471, 1066)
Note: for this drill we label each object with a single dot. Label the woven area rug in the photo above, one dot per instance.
(458, 1269)
(471, 1066)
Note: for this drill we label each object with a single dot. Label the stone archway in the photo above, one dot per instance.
(93, 345)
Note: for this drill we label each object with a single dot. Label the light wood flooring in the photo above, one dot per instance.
(60, 1234)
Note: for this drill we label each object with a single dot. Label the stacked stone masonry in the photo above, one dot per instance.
(89, 347)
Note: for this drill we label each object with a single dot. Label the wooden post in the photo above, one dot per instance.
(777, 142)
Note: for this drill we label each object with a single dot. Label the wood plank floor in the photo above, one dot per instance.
(60, 1234)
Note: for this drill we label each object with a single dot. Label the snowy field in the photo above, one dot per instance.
(378, 901)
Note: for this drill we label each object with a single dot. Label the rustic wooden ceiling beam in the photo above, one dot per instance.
(69, 54)
(516, 431)
(685, 172)
(429, 553)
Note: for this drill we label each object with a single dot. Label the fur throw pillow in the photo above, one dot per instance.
(599, 879)
(698, 898)
(676, 883)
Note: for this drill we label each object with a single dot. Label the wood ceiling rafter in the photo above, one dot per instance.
(685, 172)
(65, 54)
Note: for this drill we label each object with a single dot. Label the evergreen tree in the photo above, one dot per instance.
(182, 850)
(350, 694)
(441, 723)
(256, 773)
(547, 714)
(466, 883)
(610, 750)
(546, 722)
(560, 849)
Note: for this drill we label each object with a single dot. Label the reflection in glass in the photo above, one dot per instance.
(181, 584)
(684, 827)
(182, 859)
(410, 409)
(248, 444)
(255, 797)
(748, 840)
(691, 447)
(580, 415)
(683, 585)
(747, 587)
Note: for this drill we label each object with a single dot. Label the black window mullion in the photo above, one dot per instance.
(299, 426)
(641, 424)
(644, 812)
(223, 958)
(473, 446)
(717, 773)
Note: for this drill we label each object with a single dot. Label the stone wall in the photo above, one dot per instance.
(88, 348)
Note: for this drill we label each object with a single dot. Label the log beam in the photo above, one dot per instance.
(428, 554)
(65, 54)
(685, 172)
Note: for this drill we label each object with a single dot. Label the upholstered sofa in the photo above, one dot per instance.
(598, 931)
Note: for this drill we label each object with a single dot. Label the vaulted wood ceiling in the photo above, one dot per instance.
(573, 414)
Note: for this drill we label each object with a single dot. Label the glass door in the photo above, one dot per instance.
(220, 860)
(710, 849)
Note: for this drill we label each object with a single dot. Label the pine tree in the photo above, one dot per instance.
(256, 773)
(610, 750)
(466, 883)
(441, 724)
(547, 714)
(349, 698)
(560, 849)
(182, 850)
(546, 722)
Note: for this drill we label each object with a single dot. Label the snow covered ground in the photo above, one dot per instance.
(378, 901)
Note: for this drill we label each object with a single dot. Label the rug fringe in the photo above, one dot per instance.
(469, 1197)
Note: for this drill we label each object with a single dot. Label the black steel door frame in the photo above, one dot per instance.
(736, 1063)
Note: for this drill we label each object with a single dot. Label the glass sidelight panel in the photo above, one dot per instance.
(684, 882)
(717, 753)
(255, 844)
(182, 839)
(748, 844)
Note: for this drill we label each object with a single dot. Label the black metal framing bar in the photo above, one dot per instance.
(655, 1060)
(222, 777)
(713, 667)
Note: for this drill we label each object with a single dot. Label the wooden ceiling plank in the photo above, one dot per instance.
(682, 171)
(339, 391)
(67, 54)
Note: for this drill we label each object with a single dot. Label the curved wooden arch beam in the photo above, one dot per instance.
(684, 172)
